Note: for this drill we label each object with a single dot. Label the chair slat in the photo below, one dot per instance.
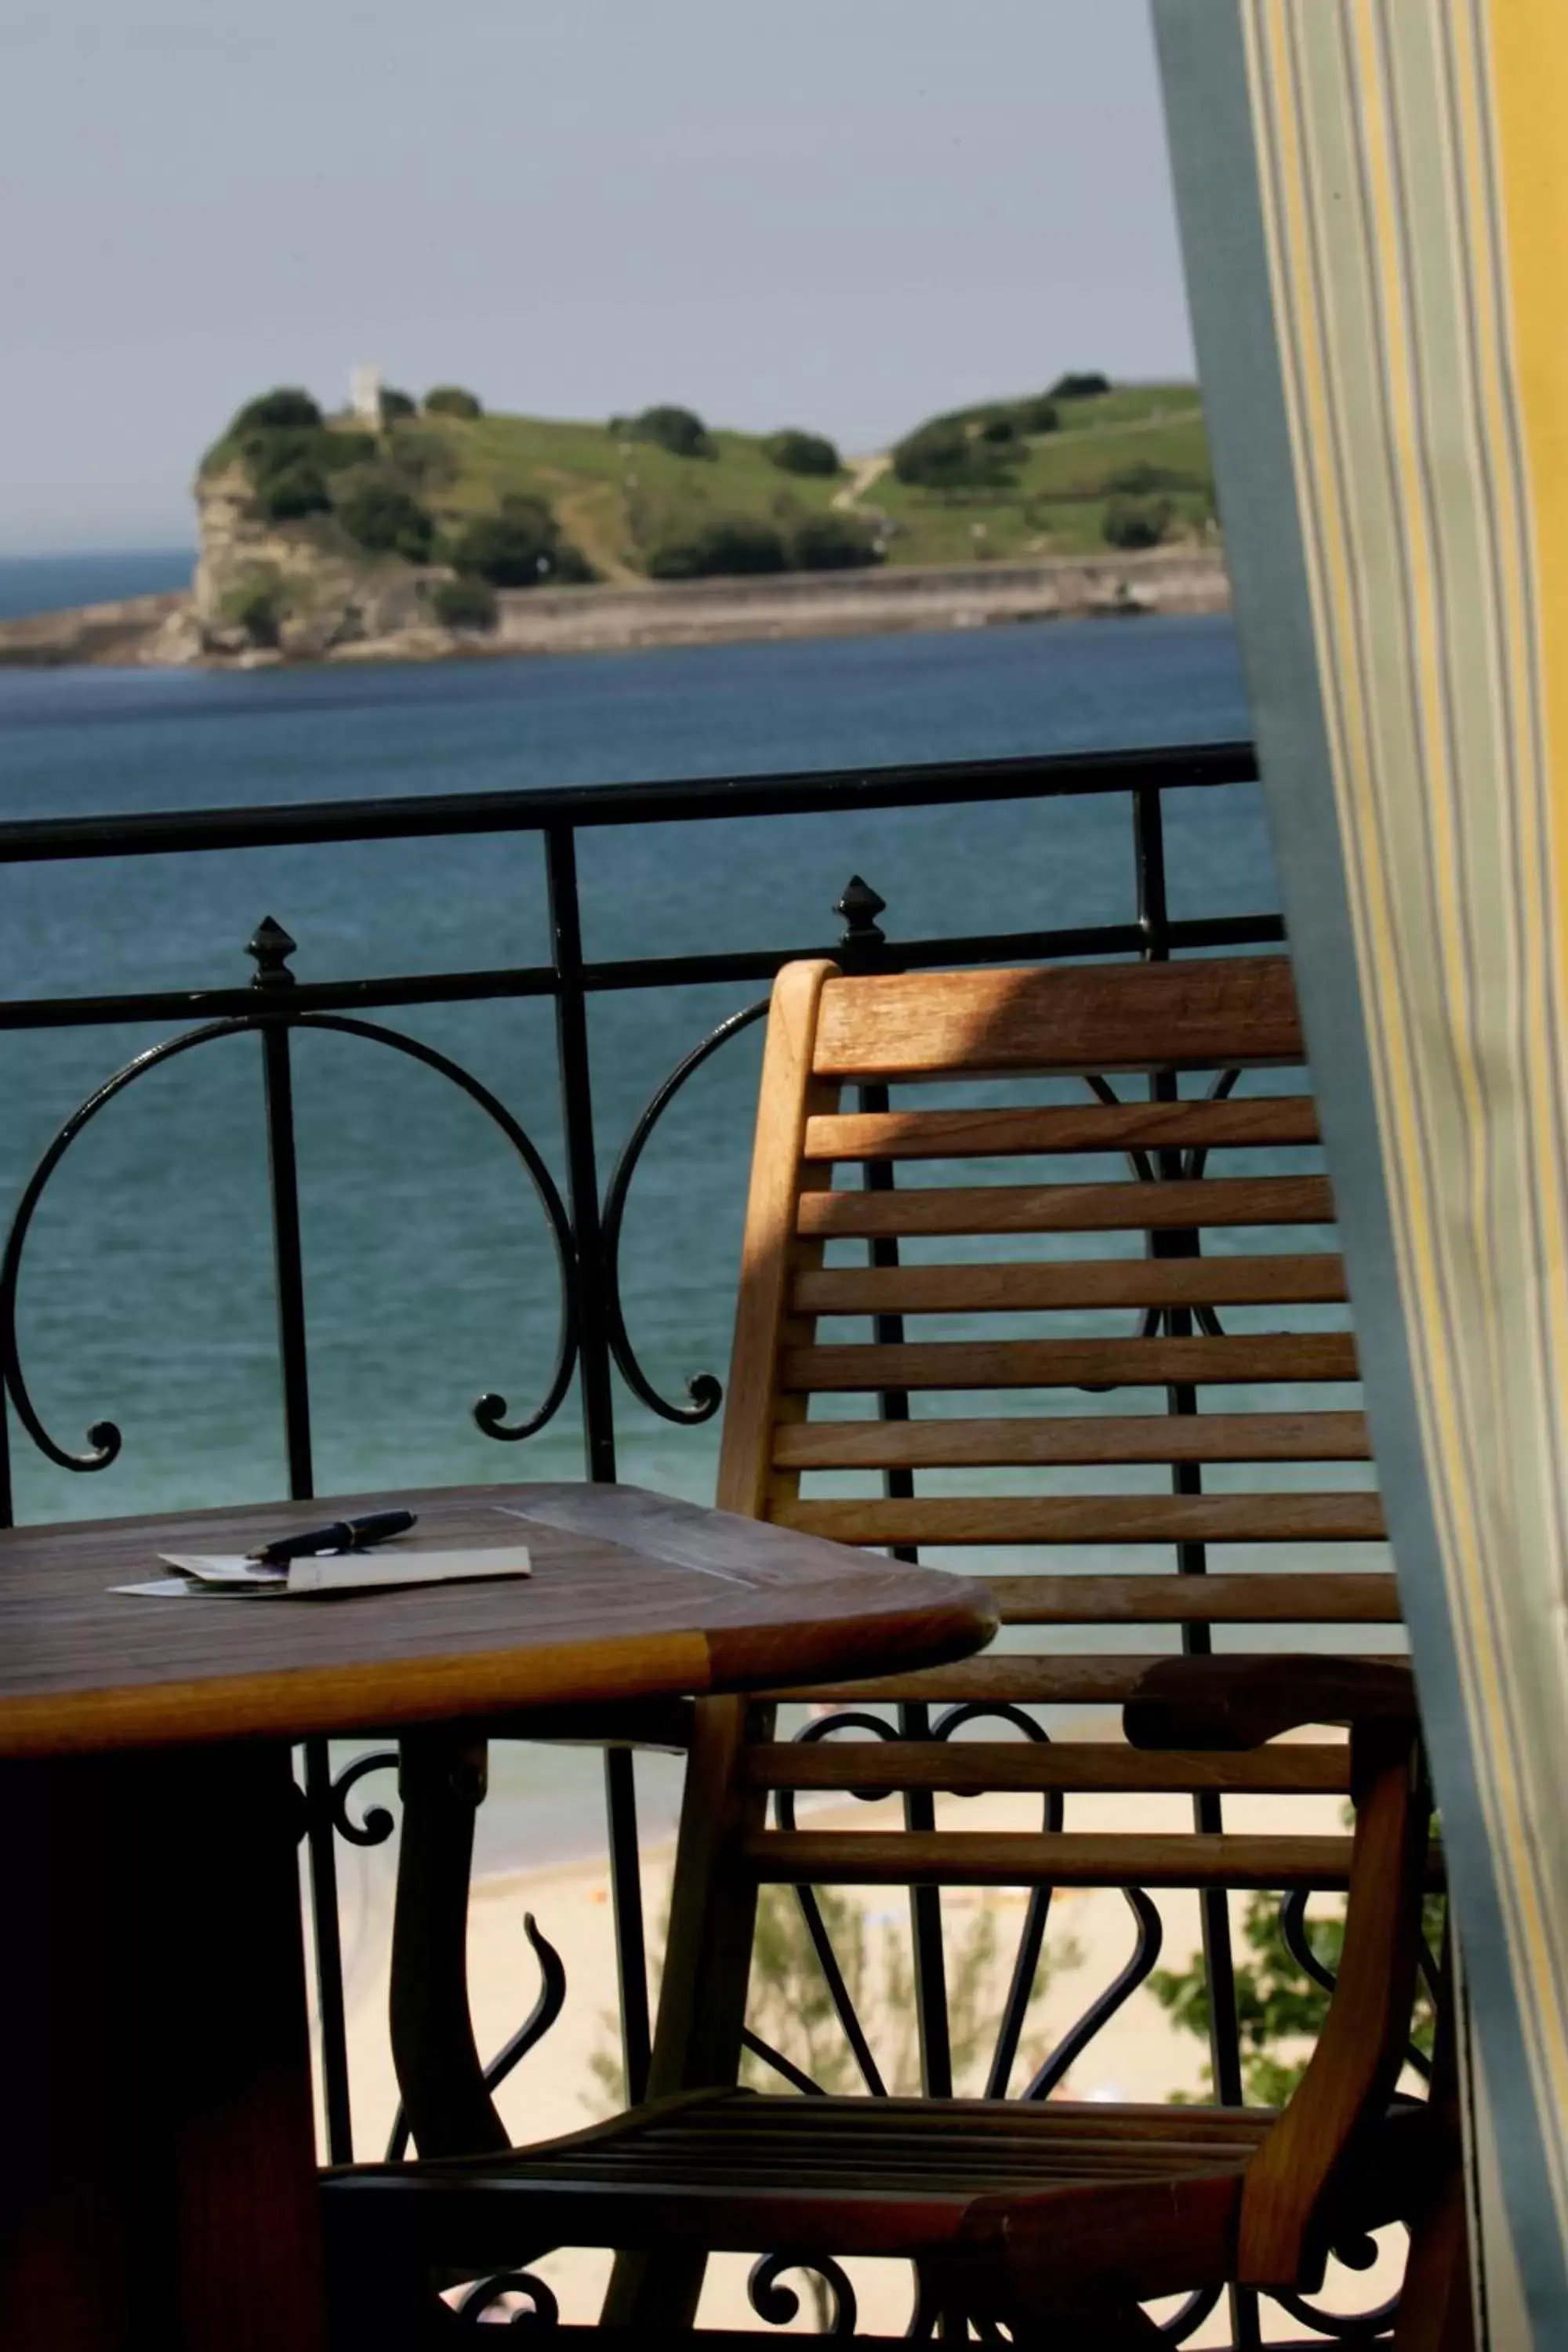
(1066, 1681)
(1292, 1768)
(1063, 1681)
(1314, 1278)
(1021, 1858)
(1357, 1597)
(1091, 1518)
(1028, 1443)
(1207, 1200)
(1187, 1015)
(1070, 1363)
(1256, 1121)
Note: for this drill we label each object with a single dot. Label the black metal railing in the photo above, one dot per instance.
(584, 1214)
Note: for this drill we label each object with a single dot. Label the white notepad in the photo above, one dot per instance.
(325, 1573)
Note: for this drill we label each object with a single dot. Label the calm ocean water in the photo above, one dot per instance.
(146, 1293)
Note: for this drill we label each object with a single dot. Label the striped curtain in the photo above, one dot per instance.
(1374, 199)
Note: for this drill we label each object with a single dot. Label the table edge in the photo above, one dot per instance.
(297, 1703)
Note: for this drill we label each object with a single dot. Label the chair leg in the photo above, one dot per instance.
(1436, 2311)
(702, 1997)
(653, 2288)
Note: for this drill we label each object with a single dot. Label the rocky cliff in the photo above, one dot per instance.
(299, 591)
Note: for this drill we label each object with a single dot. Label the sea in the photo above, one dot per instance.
(145, 1294)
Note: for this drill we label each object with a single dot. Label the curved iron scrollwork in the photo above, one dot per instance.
(1032, 1936)
(1299, 1944)
(535, 2026)
(778, 2305)
(476, 2306)
(704, 1391)
(1073, 2043)
(377, 1824)
(844, 2009)
(1026, 1959)
(1344, 2327)
(103, 1437)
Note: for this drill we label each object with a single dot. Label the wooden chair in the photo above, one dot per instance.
(1039, 2212)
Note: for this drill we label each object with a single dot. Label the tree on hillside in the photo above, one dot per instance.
(396, 406)
(802, 453)
(720, 546)
(520, 546)
(944, 455)
(284, 407)
(1137, 522)
(833, 543)
(386, 521)
(451, 400)
(1140, 479)
(467, 602)
(680, 430)
(1086, 384)
(293, 492)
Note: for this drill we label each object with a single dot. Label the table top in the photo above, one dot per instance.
(632, 1595)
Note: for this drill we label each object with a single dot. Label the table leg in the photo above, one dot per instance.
(157, 2151)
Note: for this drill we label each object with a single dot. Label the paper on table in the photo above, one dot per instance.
(325, 1573)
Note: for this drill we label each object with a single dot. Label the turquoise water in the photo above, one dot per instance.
(146, 1296)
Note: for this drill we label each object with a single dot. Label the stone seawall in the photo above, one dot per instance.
(165, 630)
(708, 612)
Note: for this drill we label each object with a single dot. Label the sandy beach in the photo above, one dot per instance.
(558, 2088)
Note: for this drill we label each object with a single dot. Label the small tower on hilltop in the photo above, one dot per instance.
(365, 393)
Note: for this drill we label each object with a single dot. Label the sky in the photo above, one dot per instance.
(843, 213)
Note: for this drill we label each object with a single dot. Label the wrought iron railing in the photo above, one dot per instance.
(584, 1214)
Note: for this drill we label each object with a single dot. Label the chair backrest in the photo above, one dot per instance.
(932, 1377)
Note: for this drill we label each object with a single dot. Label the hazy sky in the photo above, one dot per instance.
(840, 213)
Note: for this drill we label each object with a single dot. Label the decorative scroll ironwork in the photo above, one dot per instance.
(477, 2305)
(845, 1719)
(103, 1437)
(509, 2056)
(1299, 1944)
(1073, 2043)
(377, 1824)
(1026, 1960)
(1344, 2327)
(704, 1391)
(778, 2305)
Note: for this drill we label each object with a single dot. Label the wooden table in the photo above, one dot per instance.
(157, 2157)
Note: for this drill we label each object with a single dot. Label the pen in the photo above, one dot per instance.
(343, 1535)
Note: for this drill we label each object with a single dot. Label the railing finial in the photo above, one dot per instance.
(271, 947)
(861, 907)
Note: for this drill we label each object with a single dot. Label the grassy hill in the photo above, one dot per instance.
(623, 502)
(617, 498)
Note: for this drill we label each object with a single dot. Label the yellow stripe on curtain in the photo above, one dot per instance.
(1412, 169)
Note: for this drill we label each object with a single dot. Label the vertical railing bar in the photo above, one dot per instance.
(1192, 1558)
(578, 1120)
(270, 946)
(914, 1717)
(598, 1410)
(283, 1180)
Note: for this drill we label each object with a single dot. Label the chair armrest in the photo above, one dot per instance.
(1238, 1703)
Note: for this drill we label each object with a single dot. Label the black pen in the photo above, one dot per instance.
(343, 1535)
